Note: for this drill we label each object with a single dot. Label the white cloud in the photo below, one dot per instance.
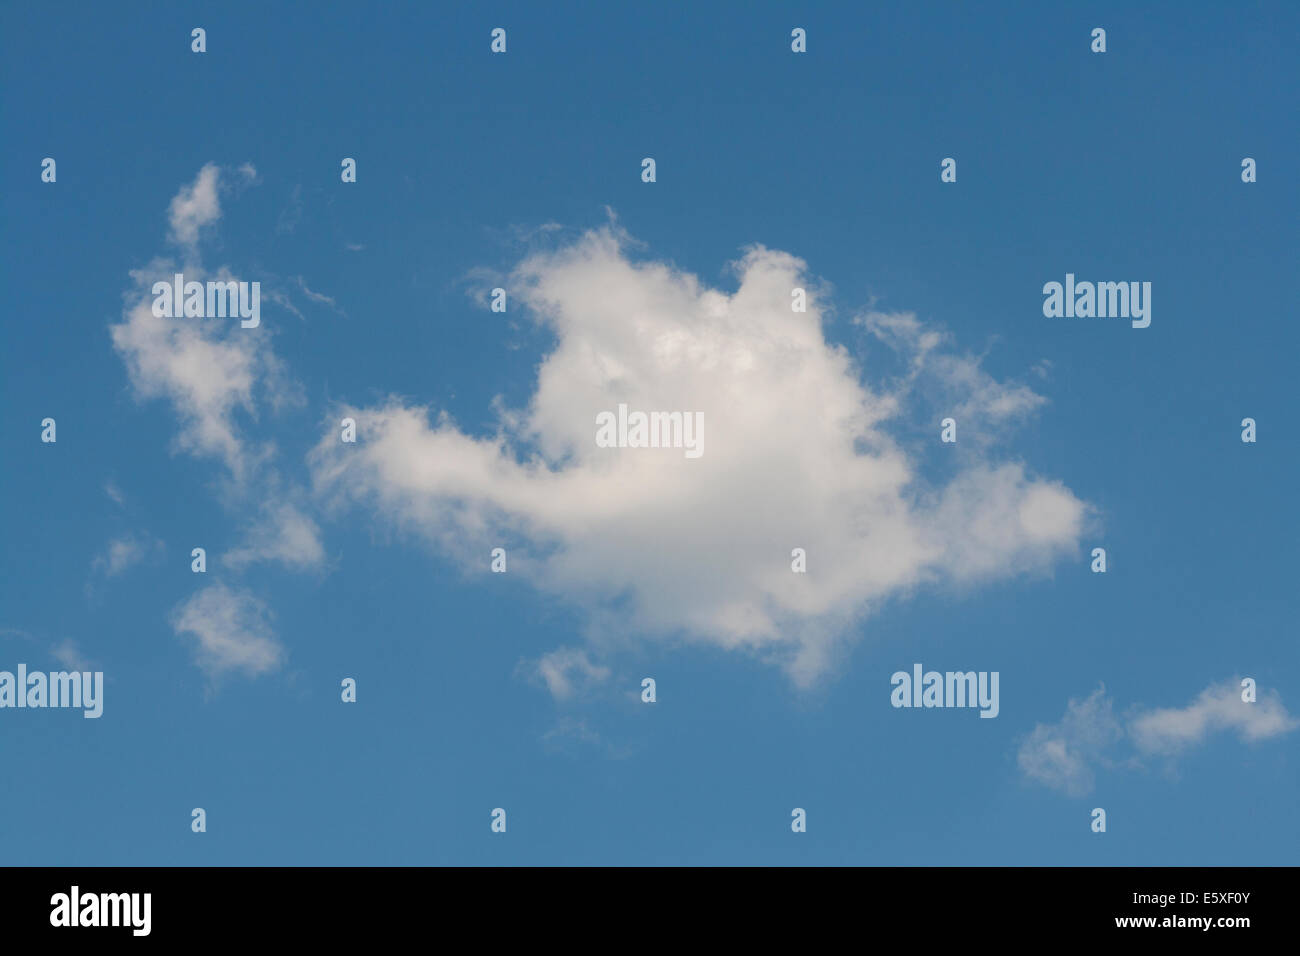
(115, 493)
(230, 631)
(217, 377)
(124, 553)
(207, 372)
(1063, 755)
(955, 384)
(67, 652)
(212, 371)
(796, 455)
(1219, 707)
(799, 452)
(69, 655)
(993, 521)
(568, 670)
(317, 297)
(284, 534)
(195, 206)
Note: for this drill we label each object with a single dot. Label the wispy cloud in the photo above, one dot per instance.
(195, 206)
(206, 376)
(69, 654)
(218, 378)
(1170, 730)
(566, 671)
(292, 213)
(317, 297)
(1064, 755)
(124, 553)
(284, 534)
(114, 493)
(952, 383)
(231, 632)
(208, 371)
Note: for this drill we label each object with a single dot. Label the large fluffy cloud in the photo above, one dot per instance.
(797, 447)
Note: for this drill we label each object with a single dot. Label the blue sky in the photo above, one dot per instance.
(523, 170)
